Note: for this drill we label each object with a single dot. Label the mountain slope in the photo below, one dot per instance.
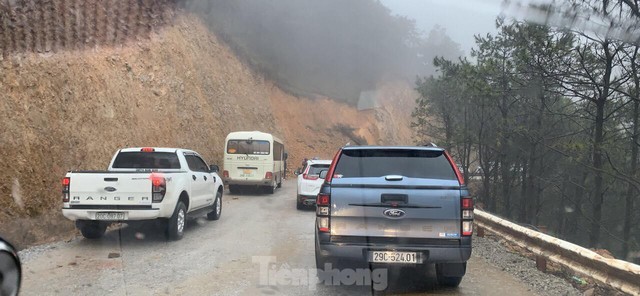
(182, 87)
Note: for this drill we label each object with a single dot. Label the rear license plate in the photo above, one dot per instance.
(246, 174)
(393, 257)
(110, 216)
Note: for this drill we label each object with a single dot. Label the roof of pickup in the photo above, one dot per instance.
(155, 149)
(319, 161)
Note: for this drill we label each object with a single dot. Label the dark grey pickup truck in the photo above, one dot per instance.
(395, 206)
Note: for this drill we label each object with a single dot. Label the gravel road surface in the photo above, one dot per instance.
(223, 258)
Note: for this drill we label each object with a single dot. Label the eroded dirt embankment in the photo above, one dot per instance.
(180, 88)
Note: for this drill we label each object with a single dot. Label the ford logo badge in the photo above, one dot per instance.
(394, 213)
(110, 189)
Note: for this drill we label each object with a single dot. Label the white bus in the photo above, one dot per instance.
(253, 159)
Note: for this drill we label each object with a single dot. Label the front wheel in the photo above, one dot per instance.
(177, 222)
(217, 208)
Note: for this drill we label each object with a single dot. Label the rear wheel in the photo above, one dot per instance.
(447, 280)
(271, 189)
(217, 208)
(233, 189)
(320, 260)
(177, 222)
(92, 229)
(280, 183)
(299, 204)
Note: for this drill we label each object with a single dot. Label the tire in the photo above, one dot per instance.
(447, 281)
(280, 183)
(320, 261)
(217, 208)
(271, 189)
(233, 189)
(299, 205)
(92, 229)
(177, 222)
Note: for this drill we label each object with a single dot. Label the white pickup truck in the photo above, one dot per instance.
(143, 184)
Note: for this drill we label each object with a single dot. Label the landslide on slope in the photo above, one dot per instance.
(181, 87)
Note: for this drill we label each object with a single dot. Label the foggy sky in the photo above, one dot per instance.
(461, 18)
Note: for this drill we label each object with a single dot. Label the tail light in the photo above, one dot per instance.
(323, 203)
(158, 187)
(268, 175)
(323, 199)
(225, 174)
(466, 206)
(466, 203)
(66, 183)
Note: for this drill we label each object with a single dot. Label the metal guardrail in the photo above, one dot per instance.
(618, 274)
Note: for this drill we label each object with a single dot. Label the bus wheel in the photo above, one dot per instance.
(270, 189)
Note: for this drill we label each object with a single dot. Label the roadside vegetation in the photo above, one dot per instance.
(544, 121)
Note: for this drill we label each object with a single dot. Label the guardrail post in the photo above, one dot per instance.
(479, 231)
(541, 263)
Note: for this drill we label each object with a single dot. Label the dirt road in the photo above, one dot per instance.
(223, 258)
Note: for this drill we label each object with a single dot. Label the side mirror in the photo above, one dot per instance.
(323, 174)
(297, 172)
(214, 168)
(286, 156)
(10, 269)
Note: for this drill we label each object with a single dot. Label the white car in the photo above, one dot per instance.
(309, 182)
(147, 183)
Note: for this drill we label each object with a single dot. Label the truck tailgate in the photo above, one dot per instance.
(407, 208)
(110, 190)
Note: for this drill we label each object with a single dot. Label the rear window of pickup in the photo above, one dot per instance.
(146, 160)
(413, 163)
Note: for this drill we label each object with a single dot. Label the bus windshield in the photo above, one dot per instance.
(256, 147)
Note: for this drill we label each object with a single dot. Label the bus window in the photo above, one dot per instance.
(256, 147)
(278, 151)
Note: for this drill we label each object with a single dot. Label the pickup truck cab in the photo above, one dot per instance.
(404, 206)
(141, 184)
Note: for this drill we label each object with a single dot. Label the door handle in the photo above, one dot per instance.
(205, 178)
(193, 177)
